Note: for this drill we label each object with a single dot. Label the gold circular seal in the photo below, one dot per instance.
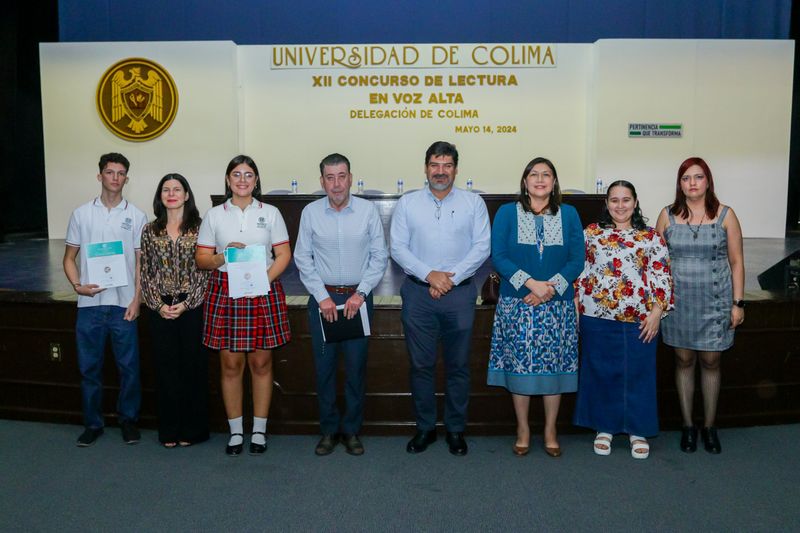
(137, 99)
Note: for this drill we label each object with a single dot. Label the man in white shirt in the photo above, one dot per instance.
(341, 255)
(111, 222)
(440, 236)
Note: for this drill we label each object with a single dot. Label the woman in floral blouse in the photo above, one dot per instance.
(624, 291)
(173, 288)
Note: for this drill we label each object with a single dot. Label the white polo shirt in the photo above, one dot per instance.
(93, 222)
(259, 223)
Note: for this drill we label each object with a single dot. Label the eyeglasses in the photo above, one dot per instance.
(438, 213)
(247, 176)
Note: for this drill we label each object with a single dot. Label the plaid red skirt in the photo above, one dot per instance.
(244, 324)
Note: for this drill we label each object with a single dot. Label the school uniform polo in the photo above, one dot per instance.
(243, 324)
(259, 223)
(93, 223)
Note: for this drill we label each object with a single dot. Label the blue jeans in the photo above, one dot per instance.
(325, 365)
(92, 328)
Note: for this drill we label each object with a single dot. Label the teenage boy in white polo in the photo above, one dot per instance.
(112, 311)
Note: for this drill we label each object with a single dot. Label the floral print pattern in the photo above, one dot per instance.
(625, 272)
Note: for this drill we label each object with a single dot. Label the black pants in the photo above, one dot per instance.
(181, 364)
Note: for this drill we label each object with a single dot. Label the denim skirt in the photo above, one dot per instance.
(616, 379)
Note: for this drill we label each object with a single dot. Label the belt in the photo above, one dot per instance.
(418, 281)
(341, 289)
(169, 299)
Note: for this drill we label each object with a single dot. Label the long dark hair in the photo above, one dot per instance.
(191, 217)
(243, 160)
(638, 221)
(554, 202)
(679, 206)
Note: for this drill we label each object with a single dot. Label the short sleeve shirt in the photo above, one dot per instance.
(92, 223)
(259, 223)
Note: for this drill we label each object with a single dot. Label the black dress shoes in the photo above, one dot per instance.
(689, 439)
(89, 437)
(326, 444)
(421, 441)
(711, 440)
(456, 443)
(258, 449)
(235, 449)
(352, 444)
(130, 434)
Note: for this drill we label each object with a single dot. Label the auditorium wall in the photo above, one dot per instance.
(732, 98)
(198, 145)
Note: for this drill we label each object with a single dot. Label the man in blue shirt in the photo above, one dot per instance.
(440, 236)
(341, 255)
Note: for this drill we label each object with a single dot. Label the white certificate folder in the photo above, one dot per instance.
(106, 264)
(247, 271)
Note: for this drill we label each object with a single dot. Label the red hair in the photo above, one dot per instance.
(679, 206)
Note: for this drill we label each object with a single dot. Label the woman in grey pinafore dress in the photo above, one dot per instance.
(705, 249)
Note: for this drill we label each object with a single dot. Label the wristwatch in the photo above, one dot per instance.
(739, 303)
(362, 294)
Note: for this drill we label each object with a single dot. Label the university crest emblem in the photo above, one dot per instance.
(137, 99)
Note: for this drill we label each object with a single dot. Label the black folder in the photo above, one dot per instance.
(343, 329)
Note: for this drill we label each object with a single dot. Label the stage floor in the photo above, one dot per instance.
(37, 317)
(35, 266)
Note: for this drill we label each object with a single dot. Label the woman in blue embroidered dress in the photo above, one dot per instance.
(537, 248)
(623, 292)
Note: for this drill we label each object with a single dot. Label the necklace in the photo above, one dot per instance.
(696, 229)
